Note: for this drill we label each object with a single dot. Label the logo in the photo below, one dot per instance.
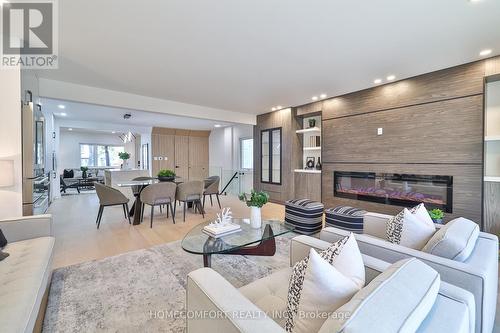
(29, 34)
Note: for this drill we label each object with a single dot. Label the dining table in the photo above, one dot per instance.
(137, 187)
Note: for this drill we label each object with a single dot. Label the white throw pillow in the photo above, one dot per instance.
(321, 283)
(411, 228)
(455, 240)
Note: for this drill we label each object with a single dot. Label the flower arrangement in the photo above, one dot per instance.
(257, 199)
(124, 155)
(436, 215)
(166, 175)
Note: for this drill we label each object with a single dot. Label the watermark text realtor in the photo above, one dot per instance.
(29, 34)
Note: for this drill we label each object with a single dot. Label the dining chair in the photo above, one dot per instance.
(192, 192)
(109, 196)
(157, 195)
(211, 188)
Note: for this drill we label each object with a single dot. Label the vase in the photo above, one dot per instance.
(256, 218)
(437, 221)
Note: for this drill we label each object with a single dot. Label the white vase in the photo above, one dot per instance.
(256, 218)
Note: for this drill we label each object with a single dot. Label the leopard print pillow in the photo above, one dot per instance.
(394, 226)
(297, 280)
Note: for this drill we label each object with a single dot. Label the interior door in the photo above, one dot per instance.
(198, 158)
(182, 156)
(167, 151)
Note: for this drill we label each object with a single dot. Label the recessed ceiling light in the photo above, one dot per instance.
(70, 129)
(322, 96)
(63, 114)
(61, 106)
(314, 98)
(485, 52)
(391, 77)
(377, 81)
(113, 132)
(217, 125)
(474, 0)
(279, 107)
(273, 109)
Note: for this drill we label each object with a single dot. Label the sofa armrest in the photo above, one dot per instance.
(27, 227)
(214, 305)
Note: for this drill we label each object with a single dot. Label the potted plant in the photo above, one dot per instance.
(312, 122)
(166, 175)
(256, 201)
(124, 156)
(84, 170)
(436, 215)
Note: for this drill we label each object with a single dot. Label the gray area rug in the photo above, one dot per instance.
(133, 291)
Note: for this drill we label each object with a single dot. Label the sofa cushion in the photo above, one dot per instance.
(24, 277)
(455, 240)
(68, 173)
(398, 300)
(270, 294)
(322, 282)
(411, 228)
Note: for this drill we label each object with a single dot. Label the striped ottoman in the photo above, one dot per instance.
(346, 218)
(305, 215)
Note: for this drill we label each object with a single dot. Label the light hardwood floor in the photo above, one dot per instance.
(78, 240)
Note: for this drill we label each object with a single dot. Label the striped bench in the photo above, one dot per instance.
(305, 215)
(346, 218)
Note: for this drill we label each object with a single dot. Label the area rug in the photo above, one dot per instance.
(139, 291)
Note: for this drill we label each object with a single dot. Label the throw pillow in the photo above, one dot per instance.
(68, 173)
(455, 240)
(320, 283)
(411, 227)
(3, 240)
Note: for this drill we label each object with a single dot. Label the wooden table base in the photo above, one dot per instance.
(266, 247)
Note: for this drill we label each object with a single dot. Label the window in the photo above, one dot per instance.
(271, 156)
(246, 153)
(95, 155)
(145, 156)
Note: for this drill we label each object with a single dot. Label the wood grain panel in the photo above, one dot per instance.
(445, 84)
(290, 157)
(167, 150)
(309, 108)
(442, 132)
(182, 156)
(198, 157)
(492, 66)
(308, 186)
(467, 181)
(492, 207)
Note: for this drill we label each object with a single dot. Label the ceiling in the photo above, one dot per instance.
(82, 112)
(248, 56)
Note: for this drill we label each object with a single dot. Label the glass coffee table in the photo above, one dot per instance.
(248, 241)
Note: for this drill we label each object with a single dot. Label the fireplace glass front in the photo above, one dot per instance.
(395, 189)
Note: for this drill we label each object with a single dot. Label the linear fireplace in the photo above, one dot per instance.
(395, 189)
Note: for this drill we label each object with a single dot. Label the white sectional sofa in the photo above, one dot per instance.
(477, 274)
(25, 274)
(384, 305)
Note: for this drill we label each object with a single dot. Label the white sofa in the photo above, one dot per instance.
(477, 274)
(390, 302)
(25, 274)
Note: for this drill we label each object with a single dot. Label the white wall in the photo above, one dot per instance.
(69, 146)
(10, 138)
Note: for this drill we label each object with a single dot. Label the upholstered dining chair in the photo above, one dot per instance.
(157, 195)
(109, 196)
(211, 188)
(191, 191)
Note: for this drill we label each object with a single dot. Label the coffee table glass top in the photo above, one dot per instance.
(197, 242)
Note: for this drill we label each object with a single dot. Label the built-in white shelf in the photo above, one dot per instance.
(307, 170)
(312, 148)
(492, 138)
(492, 179)
(309, 130)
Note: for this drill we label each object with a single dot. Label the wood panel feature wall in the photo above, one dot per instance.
(186, 151)
(433, 124)
(308, 185)
(291, 156)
